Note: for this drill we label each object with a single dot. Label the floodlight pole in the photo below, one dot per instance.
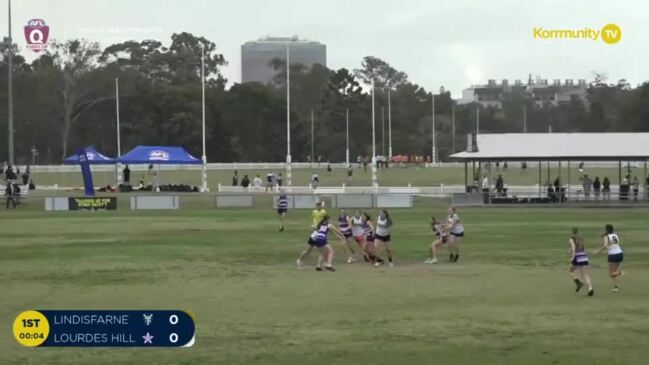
(204, 157)
(434, 154)
(374, 184)
(118, 172)
(524, 118)
(477, 121)
(453, 125)
(10, 92)
(312, 139)
(347, 136)
(288, 117)
(389, 126)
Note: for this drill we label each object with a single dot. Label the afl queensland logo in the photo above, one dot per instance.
(158, 155)
(36, 34)
(91, 156)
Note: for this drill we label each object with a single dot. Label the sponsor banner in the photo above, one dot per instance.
(92, 203)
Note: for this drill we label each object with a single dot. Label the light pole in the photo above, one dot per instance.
(119, 146)
(312, 140)
(204, 157)
(10, 92)
(383, 131)
(477, 120)
(433, 135)
(524, 118)
(453, 125)
(347, 136)
(373, 140)
(288, 117)
(389, 126)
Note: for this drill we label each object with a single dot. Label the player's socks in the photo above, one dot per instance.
(591, 292)
(579, 284)
(329, 268)
(318, 268)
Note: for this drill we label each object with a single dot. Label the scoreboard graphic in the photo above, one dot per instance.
(86, 328)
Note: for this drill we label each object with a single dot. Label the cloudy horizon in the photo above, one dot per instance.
(437, 44)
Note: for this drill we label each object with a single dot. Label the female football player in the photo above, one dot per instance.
(579, 262)
(615, 255)
(382, 237)
(441, 238)
(456, 230)
(345, 227)
(318, 239)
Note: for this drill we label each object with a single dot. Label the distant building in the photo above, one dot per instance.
(540, 91)
(256, 56)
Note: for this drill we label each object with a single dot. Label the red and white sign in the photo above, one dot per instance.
(36, 34)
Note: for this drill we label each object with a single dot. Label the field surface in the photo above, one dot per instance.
(508, 300)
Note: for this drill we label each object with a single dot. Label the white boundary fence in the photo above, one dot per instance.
(304, 165)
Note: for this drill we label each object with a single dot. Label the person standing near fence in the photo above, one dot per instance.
(636, 188)
(606, 188)
(10, 194)
(597, 187)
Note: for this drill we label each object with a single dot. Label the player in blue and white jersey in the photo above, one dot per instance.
(318, 239)
(345, 227)
(579, 270)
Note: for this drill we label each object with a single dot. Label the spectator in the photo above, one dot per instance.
(256, 182)
(155, 183)
(270, 178)
(588, 185)
(557, 185)
(245, 182)
(636, 188)
(505, 166)
(523, 165)
(485, 184)
(581, 167)
(127, 175)
(500, 183)
(606, 188)
(32, 186)
(25, 176)
(350, 172)
(279, 179)
(235, 178)
(597, 186)
(314, 180)
(624, 188)
(329, 168)
(10, 194)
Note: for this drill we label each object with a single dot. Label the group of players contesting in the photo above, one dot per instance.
(373, 238)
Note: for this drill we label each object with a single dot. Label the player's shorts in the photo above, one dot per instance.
(461, 234)
(269, 179)
(385, 238)
(369, 237)
(616, 258)
(315, 243)
(359, 239)
(282, 210)
(347, 234)
(580, 261)
(443, 239)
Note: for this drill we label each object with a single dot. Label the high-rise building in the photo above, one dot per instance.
(256, 56)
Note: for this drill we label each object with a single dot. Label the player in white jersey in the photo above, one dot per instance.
(382, 237)
(456, 230)
(358, 232)
(615, 254)
(441, 238)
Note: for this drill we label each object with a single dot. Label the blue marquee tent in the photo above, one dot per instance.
(94, 157)
(164, 155)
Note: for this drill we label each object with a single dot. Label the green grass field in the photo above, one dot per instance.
(396, 176)
(508, 300)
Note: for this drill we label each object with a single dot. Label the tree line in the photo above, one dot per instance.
(65, 99)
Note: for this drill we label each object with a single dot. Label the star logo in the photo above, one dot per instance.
(147, 338)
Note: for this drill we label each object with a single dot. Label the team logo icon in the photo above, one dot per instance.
(36, 34)
(148, 318)
(158, 155)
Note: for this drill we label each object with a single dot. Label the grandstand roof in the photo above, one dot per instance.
(559, 146)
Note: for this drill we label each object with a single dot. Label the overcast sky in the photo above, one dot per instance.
(437, 43)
